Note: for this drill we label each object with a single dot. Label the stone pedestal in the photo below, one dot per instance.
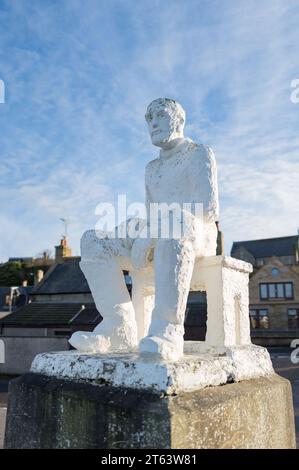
(208, 399)
(199, 367)
(46, 412)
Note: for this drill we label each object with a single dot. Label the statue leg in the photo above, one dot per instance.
(102, 262)
(173, 265)
(143, 299)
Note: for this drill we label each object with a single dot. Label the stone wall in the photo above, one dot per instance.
(85, 298)
(33, 331)
(23, 331)
(20, 351)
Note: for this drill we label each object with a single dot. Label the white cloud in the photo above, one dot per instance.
(73, 130)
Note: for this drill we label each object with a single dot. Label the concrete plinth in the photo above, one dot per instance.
(47, 412)
(200, 367)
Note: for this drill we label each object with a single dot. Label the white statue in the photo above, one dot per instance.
(184, 172)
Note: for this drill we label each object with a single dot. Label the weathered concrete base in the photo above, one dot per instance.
(199, 367)
(2, 425)
(46, 412)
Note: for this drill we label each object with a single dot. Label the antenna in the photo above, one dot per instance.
(65, 222)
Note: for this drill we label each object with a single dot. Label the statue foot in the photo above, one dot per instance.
(162, 347)
(87, 341)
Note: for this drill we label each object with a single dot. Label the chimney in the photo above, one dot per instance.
(39, 276)
(62, 251)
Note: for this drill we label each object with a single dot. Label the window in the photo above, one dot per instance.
(275, 272)
(276, 290)
(259, 318)
(280, 291)
(293, 318)
(289, 290)
(263, 291)
(272, 291)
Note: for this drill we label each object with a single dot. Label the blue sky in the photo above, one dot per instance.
(78, 78)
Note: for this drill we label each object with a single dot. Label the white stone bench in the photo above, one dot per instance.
(225, 281)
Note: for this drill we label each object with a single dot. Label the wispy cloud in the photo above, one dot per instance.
(77, 85)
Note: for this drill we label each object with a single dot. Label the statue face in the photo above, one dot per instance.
(160, 126)
(163, 123)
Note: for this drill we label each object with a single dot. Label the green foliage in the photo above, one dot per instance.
(12, 273)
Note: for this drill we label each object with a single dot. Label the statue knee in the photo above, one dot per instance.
(176, 244)
(91, 245)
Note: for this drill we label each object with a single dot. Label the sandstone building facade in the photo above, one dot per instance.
(274, 283)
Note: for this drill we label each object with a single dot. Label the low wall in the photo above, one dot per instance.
(19, 351)
(267, 338)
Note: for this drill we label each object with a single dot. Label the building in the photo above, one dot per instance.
(273, 286)
(59, 298)
(60, 304)
(27, 260)
(12, 298)
(259, 252)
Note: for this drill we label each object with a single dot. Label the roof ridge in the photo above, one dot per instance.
(266, 239)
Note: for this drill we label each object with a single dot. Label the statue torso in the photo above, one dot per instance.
(177, 178)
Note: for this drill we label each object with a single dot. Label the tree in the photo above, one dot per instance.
(12, 274)
(43, 259)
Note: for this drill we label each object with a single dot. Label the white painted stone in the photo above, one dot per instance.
(225, 280)
(198, 368)
(163, 272)
(184, 172)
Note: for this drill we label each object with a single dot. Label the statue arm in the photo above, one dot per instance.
(148, 197)
(143, 245)
(148, 201)
(208, 185)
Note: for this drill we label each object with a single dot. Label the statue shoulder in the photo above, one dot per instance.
(151, 166)
(202, 153)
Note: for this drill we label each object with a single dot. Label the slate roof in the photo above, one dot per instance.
(282, 246)
(87, 316)
(38, 314)
(64, 278)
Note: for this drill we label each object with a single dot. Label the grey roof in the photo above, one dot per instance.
(282, 246)
(38, 314)
(64, 278)
(87, 315)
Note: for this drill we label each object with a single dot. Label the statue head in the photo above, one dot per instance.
(165, 119)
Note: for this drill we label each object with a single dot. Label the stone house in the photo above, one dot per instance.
(59, 304)
(62, 303)
(274, 296)
(273, 286)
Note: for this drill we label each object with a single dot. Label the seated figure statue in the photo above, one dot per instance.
(184, 172)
